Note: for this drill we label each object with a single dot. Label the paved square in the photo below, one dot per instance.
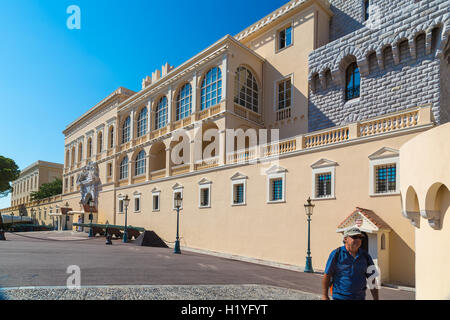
(41, 259)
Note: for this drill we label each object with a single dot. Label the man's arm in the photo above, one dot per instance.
(325, 285)
(374, 294)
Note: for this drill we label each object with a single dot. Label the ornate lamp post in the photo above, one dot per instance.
(126, 201)
(66, 206)
(309, 211)
(178, 202)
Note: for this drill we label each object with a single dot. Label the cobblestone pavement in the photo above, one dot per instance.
(158, 292)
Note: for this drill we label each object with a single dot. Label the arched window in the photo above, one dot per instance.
(383, 242)
(211, 88)
(246, 89)
(126, 130)
(352, 82)
(140, 164)
(123, 169)
(89, 148)
(184, 102)
(161, 114)
(80, 152)
(73, 156)
(99, 142)
(142, 123)
(111, 137)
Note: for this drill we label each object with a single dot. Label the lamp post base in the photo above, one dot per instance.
(308, 266)
(125, 237)
(176, 249)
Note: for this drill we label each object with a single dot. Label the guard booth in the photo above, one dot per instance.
(376, 241)
(62, 218)
(84, 216)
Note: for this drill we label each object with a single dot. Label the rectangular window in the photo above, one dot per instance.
(238, 197)
(120, 206)
(137, 204)
(385, 178)
(366, 10)
(155, 202)
(276, 193)
(109, 171)
(71, 181)
(284, 38)
(204, 197)
(284, 94)
(323, 185)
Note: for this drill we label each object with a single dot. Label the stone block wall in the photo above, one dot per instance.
(401, 62)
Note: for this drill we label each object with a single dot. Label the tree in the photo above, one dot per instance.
(47, 190)
(9, 171)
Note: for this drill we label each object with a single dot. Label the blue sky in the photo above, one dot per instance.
(51, 75)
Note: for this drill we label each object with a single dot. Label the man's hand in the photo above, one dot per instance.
(325, 286)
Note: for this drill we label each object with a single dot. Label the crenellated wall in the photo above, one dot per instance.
(399, 58)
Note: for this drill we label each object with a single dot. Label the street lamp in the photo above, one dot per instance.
(91, 232)
(126, 201)
(178, 202)
(309, 211)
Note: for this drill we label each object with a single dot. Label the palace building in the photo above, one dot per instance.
(332, 91)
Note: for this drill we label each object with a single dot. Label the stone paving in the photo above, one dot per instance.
(158, 292)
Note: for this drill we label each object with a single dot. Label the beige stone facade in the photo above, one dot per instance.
(31, 178)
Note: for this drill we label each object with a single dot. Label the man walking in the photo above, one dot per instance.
(346, 269)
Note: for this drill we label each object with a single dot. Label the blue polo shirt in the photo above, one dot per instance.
(349, 274)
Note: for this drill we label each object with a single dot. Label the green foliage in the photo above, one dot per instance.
(47, 190)
(9, 171)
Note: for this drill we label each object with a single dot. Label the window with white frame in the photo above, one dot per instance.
(384, 172)
(140, 164)
(137, 202)
(161, 113)
(184, 102)
(284, 94)
(238, 189)
(123, 169)
(276, 184)
(284, 37)
(205, 193)
(126, 130)
(142, 122)
(211, 90)
(120, 205)
(246, 89)
(323, 179)
(156, 200)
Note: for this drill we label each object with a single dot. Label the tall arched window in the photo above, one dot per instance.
(123, 169)
(126, 130)
(161, 114)
(67, 158)
(352, 82)
(89, 148)
(211, 88)
(80, 152)
(140, 164)
(111, 137)
(142, 122)
(246, 89)
(73, 156)
(184, 102)
(99, 142)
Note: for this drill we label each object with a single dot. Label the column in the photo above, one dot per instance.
(169, 106)
(224, 76)
(168, 168)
